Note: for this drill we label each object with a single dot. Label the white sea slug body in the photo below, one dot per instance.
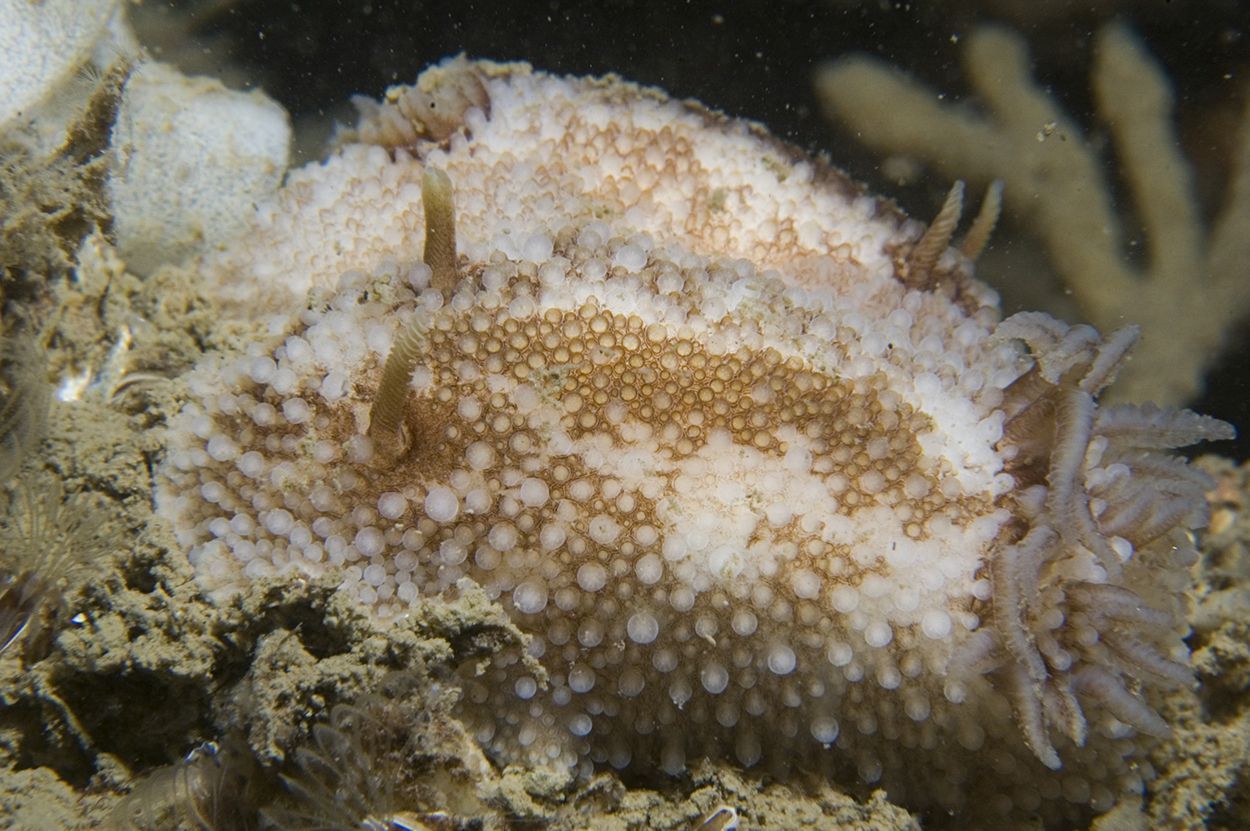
(762, 479)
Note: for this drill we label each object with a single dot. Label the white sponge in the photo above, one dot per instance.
(191, 159)
(41, 44)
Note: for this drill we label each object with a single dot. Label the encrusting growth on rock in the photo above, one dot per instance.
(25, 395)
(752, 491)
(44, 538)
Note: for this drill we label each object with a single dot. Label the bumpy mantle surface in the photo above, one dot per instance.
(762, 477)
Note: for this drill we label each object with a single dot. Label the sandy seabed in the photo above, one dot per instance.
(142, 668)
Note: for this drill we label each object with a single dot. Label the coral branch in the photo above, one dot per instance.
(1148, 148)
(1191, 291)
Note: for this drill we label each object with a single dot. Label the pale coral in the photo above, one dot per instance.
(1191, 290)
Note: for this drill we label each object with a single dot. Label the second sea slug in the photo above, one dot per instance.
(750, 456)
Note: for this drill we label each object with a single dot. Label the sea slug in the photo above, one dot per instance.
(748, 454)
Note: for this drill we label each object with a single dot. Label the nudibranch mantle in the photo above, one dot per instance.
(757, 468)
